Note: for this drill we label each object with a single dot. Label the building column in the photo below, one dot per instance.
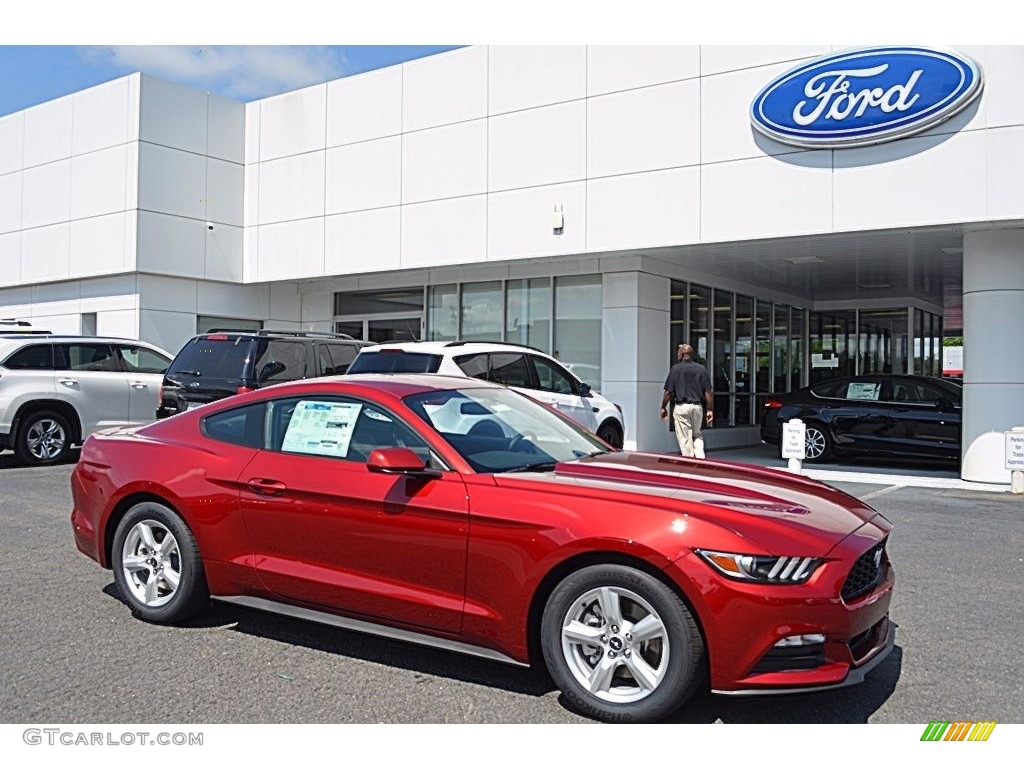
(635, 354)
(993, 350)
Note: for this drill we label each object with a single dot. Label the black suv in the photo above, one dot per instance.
(217, 364)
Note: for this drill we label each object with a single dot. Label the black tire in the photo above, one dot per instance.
(674, 657)
(44, 437)
(818, 445)
(611, 433)
(146, 581)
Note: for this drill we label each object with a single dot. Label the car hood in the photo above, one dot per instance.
(769, 508)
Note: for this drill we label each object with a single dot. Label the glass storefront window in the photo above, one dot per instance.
(724, 368)
(763, 349)
(832, 342)
(528, 312)
(796, 349)
(443, 313)
(781, 349)
(677, 321)
(744, 369)
(918, 342)
(577, 337)
(402, 300)
(481, 311)
(700, 325)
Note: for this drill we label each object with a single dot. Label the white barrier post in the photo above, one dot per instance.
(794, 446)
(1015, 458)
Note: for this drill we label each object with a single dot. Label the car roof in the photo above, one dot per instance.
(48, 338)
(451, 347)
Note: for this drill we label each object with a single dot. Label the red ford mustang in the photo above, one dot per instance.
(463, 515)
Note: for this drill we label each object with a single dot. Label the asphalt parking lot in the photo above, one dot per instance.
(71, 652)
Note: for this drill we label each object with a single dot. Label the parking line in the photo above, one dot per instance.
(881, 492)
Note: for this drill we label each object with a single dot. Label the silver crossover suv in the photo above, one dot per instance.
(56, 390)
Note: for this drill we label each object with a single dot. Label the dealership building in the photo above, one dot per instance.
(795, 213)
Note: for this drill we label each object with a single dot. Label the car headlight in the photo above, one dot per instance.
(765, 569)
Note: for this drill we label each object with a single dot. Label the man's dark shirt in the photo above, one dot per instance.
(688, 381)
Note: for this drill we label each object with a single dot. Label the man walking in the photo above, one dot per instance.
(688, 385)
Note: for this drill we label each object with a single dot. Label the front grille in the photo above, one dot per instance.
(865, 574)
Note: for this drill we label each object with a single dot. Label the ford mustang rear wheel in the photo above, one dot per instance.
(620, 644)
(156, 564)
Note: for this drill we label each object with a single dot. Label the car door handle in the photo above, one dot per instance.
(266, 487)
(69, 382)
(139, 385)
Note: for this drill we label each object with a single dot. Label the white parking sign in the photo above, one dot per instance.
(794, 433)
(1014, 450)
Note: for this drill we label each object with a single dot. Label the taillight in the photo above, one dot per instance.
(243, 390)
(771, 403)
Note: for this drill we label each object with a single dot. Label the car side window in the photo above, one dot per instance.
(342, 356)
(281, 361)
(920, 392)
(238, 426)
(864, 389)
(509, 368)
(551, 378)
(142, 360)
(474, 366)
(340, 428)
(35, 357)
(326, 363)
(89, 357)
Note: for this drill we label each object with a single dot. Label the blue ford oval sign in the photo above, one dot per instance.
(866, 96)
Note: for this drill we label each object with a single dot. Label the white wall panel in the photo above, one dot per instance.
(100, 117)
(225, 133)
(538, 146)
(224, 189)
(367, 241)
(172, 181)
(290, 250)
(728, 58)
(317, 308)
(121, 322)
(251, 301)
(444, 232)
(525, 76)
(447, 88)
(445, 162)
(168, 293)
(252, 132)
(131, 239)
(250, 253)
(519, 222)
(767, 197)
(364, 175)
(52, 297)
(131, 176)
(293, 123)
(97, 245)
(171, 245)
(285, 302)
(1003, 96)
(726, 132)
(644, 130)
(644, 210)
(47, 194)
(110, 292)
(134, 106)
(252, 194)
(48, 132)
(364, 107)
(58, 323)
(916, 181)
(169, 330)
(224, 253)
(98, 182)
(10, 262)
(173, 115)
(292, 188)
(10, 202)
(1005, 169)
(12, 142)
(44, 253)
(618, 67)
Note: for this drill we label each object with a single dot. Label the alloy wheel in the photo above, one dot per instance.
(46, 439)
(815, 443)
(151, 562)
(615, 644)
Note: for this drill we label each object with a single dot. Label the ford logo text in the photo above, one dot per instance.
(865, 96)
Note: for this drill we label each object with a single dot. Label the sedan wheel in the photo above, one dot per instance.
(817, 443)
(44, 438)
(157, 565)
(620, 644)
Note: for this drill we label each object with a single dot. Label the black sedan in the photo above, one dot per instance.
(883, 415)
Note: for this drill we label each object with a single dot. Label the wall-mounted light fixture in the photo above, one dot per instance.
(557, 220)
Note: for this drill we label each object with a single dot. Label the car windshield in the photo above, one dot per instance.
(500, 430)
(395, 361)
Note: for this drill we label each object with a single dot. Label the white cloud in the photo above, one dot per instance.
(242, 72)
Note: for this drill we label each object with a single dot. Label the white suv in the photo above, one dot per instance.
(525, 369)
(57, 390)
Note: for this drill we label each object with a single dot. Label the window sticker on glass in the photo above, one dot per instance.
(320, 428)
(863, 390)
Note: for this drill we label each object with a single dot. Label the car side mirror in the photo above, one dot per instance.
(399, 461)
(586, 390)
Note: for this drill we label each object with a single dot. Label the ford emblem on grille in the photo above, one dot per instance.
(865, 96)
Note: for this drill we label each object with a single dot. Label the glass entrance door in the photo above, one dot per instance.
(382, 329)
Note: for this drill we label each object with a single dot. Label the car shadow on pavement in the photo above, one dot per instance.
(10, 460)
(532, 681)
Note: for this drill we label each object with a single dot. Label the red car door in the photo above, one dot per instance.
(329, 533)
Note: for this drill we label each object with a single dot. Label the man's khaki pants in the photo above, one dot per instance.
(688, 417)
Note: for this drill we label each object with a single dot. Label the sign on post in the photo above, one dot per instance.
(794, 435)
(1014, 450)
